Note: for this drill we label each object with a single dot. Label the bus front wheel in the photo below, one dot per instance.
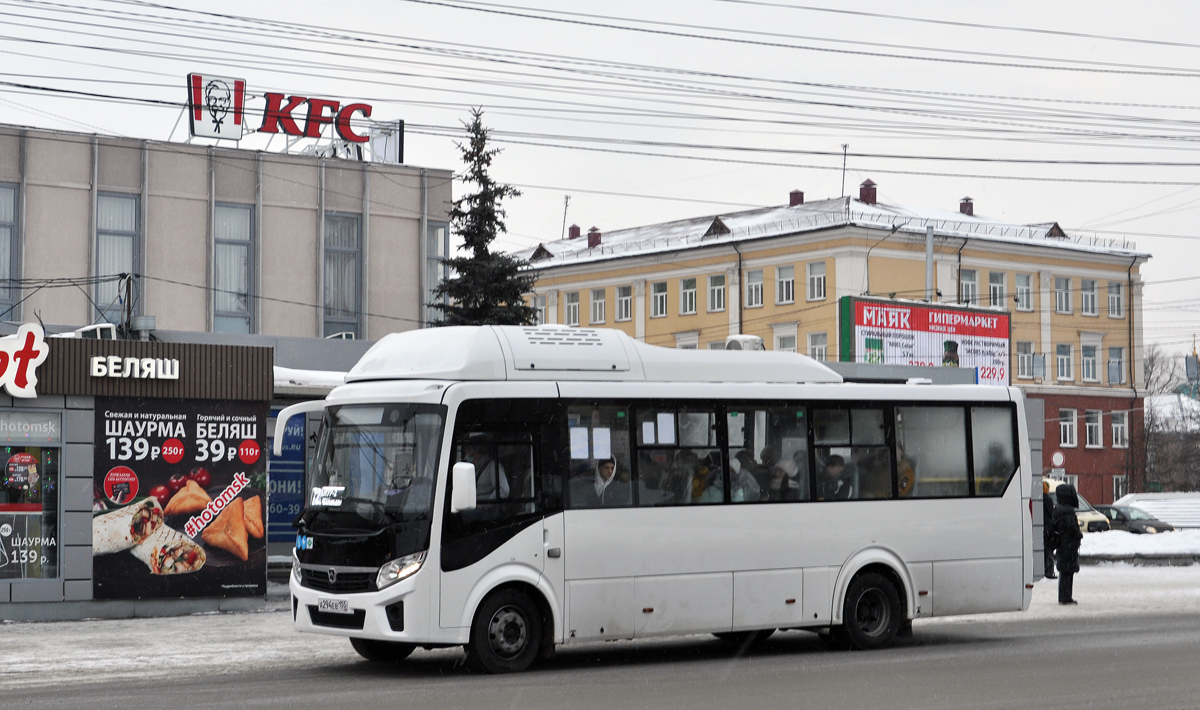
(382, 651)
(872, 614)
(506, 634)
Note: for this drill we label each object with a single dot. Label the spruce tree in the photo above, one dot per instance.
(485, 287)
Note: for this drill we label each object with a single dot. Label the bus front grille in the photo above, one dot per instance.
(344, 583)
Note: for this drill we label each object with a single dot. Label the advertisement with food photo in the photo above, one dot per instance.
(179, 499)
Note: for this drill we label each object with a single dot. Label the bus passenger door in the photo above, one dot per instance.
(554, 564)
(504, 531)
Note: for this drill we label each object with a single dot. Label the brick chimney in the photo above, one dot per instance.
(966, 206)
(795, 197)
(866, 192)
(593, 238)
(573, 231)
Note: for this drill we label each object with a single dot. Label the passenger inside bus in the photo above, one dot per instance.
(743, 487)
(489, 474)
(834, 483)
(785, 482)
(598, 485)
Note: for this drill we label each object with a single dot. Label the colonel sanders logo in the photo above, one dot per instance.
(215, 105)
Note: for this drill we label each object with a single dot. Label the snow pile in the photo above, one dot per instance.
(288, 377)
(1124, 544)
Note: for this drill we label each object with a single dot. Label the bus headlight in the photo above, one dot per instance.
(295, 567)
(399, 569)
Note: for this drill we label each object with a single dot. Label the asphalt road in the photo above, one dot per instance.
(1149, 661)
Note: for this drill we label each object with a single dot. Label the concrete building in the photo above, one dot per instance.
(217, 239)
(1073, 303)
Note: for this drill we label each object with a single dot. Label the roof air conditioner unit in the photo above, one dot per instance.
(744, 342)
(99, 331)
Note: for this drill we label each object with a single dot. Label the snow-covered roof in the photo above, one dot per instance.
(810, 217)
(290, 381)
(561, 353)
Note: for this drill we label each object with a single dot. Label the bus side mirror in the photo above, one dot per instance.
(463, 496)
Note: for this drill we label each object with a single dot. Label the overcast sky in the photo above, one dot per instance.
(1081, 113)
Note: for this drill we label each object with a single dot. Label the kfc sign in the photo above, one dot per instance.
(20, 356)
(321, 112)
(215, 106)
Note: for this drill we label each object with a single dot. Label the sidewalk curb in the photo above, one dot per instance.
(1181, 560)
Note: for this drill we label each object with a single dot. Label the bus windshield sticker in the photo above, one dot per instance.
(327, 496)
(666, 428)
(601, 443)
(579, 442)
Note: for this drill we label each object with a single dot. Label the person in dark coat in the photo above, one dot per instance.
(1049, 539)
(1066, 527)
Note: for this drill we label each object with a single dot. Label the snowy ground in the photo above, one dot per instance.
(1119, 542)
(204, 646)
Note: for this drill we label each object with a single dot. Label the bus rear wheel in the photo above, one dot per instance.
(871, 615)
(506, 634)
(382, 651)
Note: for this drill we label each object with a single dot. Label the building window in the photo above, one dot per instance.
(754, 288)
(1116, 299)
(1092, 435)
(1062, 294)
(624, 303)
(687, 341)
(658, 299)
(571, 317)
(1065, 362)
(818, 346)
(1087, 363)
(437, 249)
(785, 343)
(539, 310)
(997, 289)
(8, 247)
(1066, 427)
(717, 345)
(1120, 430)
(233, 269)
(816, 281)
(1087, 298)
(687, 297)
(1024, 292)
(1120, 486)
(969, 287)
(716, 293)
(1025, 359)
(1116, 366)
(598, 314)
(785, 284)
(343, 274)
(118, 251)
(30, 496)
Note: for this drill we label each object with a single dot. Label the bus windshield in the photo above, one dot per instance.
(378, 461)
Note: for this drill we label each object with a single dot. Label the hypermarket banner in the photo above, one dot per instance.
(179, 499)
(887, 332)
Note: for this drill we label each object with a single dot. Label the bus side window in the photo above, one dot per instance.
(993, 450)
(853, 460)
(679, 461)
(931, 452)
(599, 470)
(768, 449)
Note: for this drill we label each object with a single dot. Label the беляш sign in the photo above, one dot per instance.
(216, 108)
(143, 368)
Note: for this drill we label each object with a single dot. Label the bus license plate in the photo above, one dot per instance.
(333, 606)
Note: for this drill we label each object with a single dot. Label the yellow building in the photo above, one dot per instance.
(778, 273)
